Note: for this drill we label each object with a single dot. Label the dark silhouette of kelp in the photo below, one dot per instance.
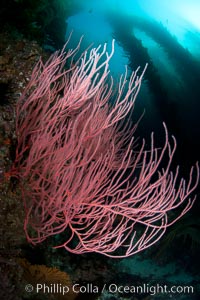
(177, 104)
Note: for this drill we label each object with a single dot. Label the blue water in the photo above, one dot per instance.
(166, 35)
(179, 17)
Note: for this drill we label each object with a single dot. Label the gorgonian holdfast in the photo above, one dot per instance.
(80, 171)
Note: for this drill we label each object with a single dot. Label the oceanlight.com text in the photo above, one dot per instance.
(112, 288)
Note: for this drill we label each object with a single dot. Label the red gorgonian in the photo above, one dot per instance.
(81, 173)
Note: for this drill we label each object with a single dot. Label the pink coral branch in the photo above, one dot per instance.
(77, 177)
